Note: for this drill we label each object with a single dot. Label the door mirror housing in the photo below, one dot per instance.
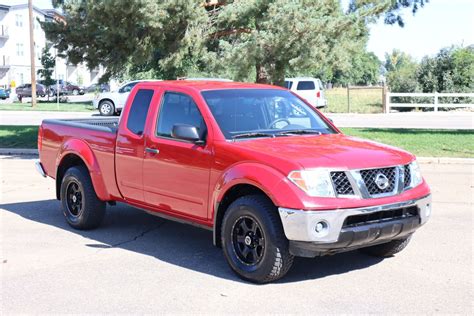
(186, 132)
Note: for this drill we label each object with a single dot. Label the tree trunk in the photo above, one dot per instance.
(262, 75)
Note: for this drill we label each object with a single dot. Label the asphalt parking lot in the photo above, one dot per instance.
(138, 263)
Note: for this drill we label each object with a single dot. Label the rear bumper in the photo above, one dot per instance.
(39, 168)
(313, 233)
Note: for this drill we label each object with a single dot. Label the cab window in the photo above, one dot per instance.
(305, 85)
(139, 110)
(178, 108)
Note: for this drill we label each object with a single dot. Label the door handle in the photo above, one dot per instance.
(152, 150)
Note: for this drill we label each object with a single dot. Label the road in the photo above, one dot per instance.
(441, 120)
(137, 263)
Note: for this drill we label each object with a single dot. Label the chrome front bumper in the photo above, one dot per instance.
(300, 225)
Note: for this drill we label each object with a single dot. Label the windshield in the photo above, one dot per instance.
(263, 112)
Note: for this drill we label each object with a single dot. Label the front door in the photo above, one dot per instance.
(131, 145)
(176, 172)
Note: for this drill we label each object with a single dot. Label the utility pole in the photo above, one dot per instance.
(32, 54)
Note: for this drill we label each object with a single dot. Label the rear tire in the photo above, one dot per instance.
(106, 108)
(253, 240)
(81, 206)
(387, 249)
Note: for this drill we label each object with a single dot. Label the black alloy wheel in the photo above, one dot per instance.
(248, 240)
(74, 199)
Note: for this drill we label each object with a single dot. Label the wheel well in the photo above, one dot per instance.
(230, 196)
(68, 161)
(103, 100)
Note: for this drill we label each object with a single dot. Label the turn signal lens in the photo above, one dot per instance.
(416, 177)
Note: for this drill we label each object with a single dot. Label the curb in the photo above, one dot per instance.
(19, 151)
(445, 160)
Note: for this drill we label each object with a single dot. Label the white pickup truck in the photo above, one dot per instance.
(310, 89)
(110, 103)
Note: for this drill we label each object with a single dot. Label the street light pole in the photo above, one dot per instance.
(32, 54)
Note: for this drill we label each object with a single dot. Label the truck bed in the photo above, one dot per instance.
(96, 134)
(99, 124)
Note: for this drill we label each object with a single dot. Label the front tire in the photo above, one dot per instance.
(387, 249)
(253, 240)
(106, 108)
(81, 206)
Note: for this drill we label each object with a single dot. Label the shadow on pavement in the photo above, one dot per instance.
(178, 244)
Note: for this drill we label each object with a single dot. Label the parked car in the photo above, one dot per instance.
(65, 88)
(24, 90)
(4, 93)
(97, 87)
(111, 103)
(310, 89)
(270, 175)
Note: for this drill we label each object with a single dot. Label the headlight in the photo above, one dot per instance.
(415, 174)
(314, 182)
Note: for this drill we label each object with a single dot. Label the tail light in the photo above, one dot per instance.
(40, 138)
(318, 94)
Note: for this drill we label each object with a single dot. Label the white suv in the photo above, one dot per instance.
(310, 89)
(110, 103)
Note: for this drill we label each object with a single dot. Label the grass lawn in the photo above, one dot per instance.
(422, 142)
(18, 136)
(427, 143)
(48, 106)
(361, 100)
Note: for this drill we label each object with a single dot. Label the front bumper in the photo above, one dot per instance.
(331, 230)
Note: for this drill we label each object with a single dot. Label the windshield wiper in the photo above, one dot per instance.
(250, 135)
(300, 132)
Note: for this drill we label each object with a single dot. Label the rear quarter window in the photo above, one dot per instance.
(288, 84)
(139, 110)
(306, 85)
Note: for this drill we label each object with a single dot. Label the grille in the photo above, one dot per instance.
(370, 175)
(377, 217)
(407, 176)
(341, 183)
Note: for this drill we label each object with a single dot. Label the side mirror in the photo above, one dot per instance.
(186, 132)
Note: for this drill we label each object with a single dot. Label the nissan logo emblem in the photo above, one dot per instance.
(381, 181)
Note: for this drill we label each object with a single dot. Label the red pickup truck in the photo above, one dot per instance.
(270, 175)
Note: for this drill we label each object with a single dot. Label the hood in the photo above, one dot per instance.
(328, 151)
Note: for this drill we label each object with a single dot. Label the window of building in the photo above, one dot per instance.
(19, 20)
(20, 49)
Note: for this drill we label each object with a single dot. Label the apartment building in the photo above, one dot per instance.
(15, 48)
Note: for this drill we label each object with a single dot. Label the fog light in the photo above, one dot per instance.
(428, 210)
(321, 228)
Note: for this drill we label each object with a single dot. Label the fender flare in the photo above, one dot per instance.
(263, 177)
(82, 150)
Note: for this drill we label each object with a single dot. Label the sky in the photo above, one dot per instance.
(439, 24)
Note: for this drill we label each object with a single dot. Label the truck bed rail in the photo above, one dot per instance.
(109, 125)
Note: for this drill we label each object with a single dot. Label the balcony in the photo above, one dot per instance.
(4, 62)
(4, 31)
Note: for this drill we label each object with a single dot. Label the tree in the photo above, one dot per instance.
(161, 39)
(401, 72)
(364, 70)
(263, 39)
(48, 63)
(451, 70)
